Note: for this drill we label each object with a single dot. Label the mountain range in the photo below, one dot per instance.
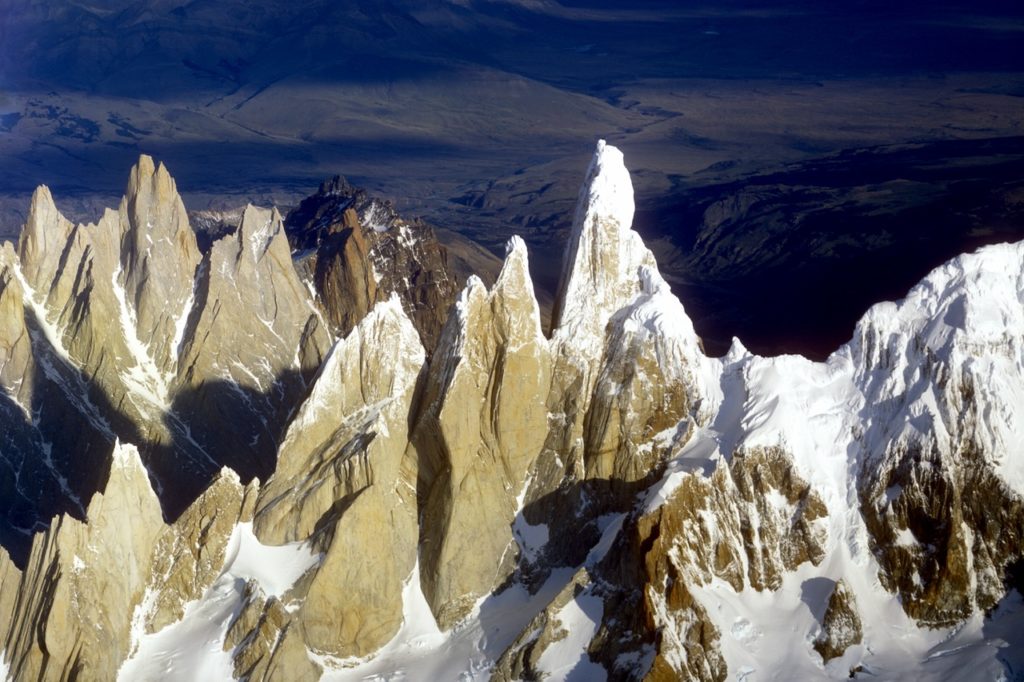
(841, 137)
(306, 447)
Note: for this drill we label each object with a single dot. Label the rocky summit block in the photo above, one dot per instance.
(356, 251)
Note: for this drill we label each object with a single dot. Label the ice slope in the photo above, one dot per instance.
(420, 652)
(966, 314)
(192, 649)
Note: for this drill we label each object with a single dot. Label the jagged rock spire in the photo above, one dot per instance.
(159, 256)
(15, 344)
(346, 449)
(485, 423)
(601, 271)
(43, 238)
(256, 319)
(513, 293)
(248, 346)
(665, 483)
(97, 567)
(367, 379)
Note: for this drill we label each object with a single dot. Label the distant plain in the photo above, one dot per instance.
(793, 163)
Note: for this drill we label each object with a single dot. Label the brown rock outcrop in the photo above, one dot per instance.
(357, 252)
(190, 553)
(483, 423)
(83, 579)
(747, 523)
(841, 627)
(945, 533)
(521, 660)
(346, 482)
(944, 524)
(267, 643)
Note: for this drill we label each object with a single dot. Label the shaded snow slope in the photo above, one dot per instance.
(192, 649)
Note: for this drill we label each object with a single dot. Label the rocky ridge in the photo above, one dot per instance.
(355, 251)
(606, 502)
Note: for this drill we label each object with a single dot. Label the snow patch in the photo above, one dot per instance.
(958, 337)
(193, 648)
(276, 569)
(422, 653)
(531, 539)
(905, 538)
(143, 379)
(260, 237)
(567, 658)
(376, 218)
(53, 335)
(181, 322)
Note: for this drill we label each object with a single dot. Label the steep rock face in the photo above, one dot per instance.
(248, 347)
(483, 424)
(344, 275)
(10, 582)
(645, 386)
(350, 428)
(746, 524)
(208, 566)
(267, 642)
(15, 344)
(358, 251)
(601, 271)
(132, 336)
(609, 503)
(55, 443)
(940, 483)
(82, 364)
(44, 237)
(81, 580)
(86, 335)
(624, 357)
(601, 275)
(944, 532)
(346, 482)
(103, 287)
(158, 258)
(190, 553)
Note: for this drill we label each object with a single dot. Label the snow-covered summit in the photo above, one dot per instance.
(602, 268)
(953, 346)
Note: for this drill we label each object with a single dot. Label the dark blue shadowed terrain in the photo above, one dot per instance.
(794, 161)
